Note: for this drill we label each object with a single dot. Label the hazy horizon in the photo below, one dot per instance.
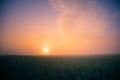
(60, 27)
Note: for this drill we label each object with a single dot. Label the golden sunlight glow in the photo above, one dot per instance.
(45, 50)
(72, 27)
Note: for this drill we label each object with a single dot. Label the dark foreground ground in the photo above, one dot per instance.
(59, 68)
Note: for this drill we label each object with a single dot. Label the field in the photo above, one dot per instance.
(59, 68)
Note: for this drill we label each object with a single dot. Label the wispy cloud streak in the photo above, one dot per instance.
(83, 15)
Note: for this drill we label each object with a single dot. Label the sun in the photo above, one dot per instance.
(45, 50)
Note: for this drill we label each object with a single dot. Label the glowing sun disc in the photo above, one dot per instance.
(45, 50)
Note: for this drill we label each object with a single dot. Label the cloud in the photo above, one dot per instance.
(85, 24)
(80, 16)
(66, 13)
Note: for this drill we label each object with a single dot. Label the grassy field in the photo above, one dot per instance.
(59, 68)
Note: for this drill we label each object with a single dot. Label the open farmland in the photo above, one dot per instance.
(59, 68)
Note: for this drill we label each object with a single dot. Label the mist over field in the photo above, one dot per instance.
(60, 27)
(59, 39)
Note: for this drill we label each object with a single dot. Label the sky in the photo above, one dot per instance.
(65, 27)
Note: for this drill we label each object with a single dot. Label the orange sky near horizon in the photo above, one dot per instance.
(66, 28)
